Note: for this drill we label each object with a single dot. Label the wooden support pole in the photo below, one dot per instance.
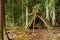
(34, 22)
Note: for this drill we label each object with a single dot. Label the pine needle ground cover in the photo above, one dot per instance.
(39, 34)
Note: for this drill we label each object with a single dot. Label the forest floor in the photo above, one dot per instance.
(38, 34)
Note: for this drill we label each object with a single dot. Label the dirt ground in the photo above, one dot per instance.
(41, 34)
(38, 34)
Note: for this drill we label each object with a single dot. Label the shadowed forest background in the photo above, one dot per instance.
(30, 19)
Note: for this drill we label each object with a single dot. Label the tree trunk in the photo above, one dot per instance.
(2, 20)
(53, 17)
(13, 11)
(22, 13)
(26, 12)
(47, 11)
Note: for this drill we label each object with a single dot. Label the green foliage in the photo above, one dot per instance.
(19, 16)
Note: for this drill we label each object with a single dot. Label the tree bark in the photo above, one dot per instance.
(47, 11)
(22, 13)
(26, 12)
(2, 19)
(53, 17)
(13, 11)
